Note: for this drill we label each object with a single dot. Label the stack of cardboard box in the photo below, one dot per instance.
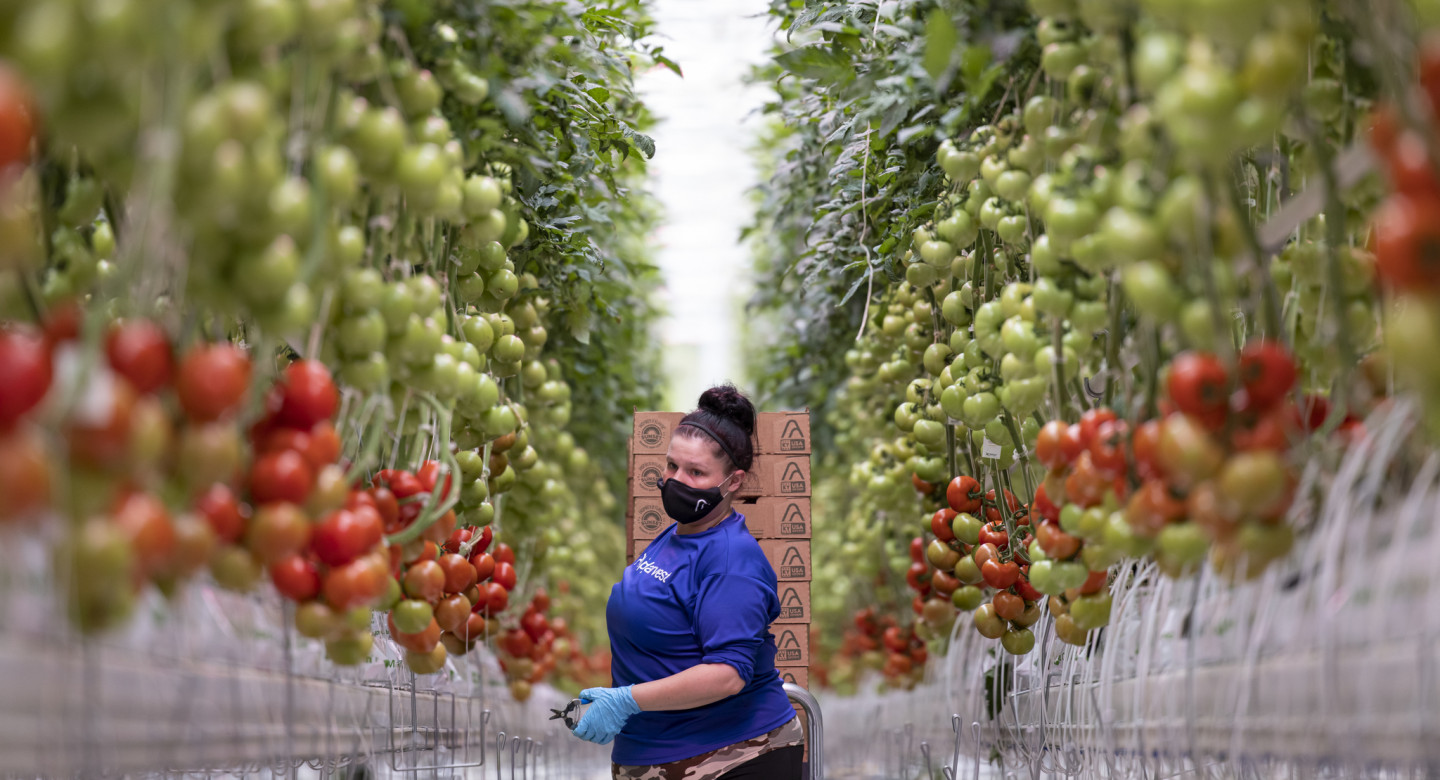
(775, 500)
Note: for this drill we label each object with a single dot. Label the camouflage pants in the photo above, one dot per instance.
(708, 766)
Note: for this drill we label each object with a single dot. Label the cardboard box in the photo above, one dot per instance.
(794, 602)
(648, 519)
(638, 548)
(789, 557)
(783, 433)
(781, 476)
(792, 644)
(799, 675)
(652, 432)
(645, 472)
(785, 518)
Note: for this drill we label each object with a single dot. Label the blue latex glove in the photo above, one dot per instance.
(609, 709)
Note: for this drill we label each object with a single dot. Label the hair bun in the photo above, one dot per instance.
(728, 402)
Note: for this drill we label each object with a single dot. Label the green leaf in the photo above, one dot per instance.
(819, 63)
(940, 40)
(600, 94)
(578, 321)
(643, 142)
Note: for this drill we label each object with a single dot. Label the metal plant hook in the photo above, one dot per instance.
(514, 749)
(499, 754)
(525, 757)
(925, 753)
(975, 732)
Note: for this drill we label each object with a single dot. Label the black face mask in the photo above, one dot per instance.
(686, 504)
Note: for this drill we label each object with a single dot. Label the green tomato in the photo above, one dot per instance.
(369, 374)
(1150, 287)
(966, 527)
(1122, 538)
(411, 616)
(1051, 299)
(361, 334)
(980, 409)
(1042, 577)
(1183, 545)
(1040, 112)
(1087, 317)
(1091, 612)
(1019, 338)
(967, 598)
(1044, 258)
(1045, 362)
(936, 357)
(952, 400)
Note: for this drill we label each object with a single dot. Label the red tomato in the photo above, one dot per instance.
(496, 598)
(104, 442)
(139, 351)
(1407, 242)
(895, 640)
(1267, 371)
(25, 369)
(918, 576)
(503, 554)
(994, 533)
(355, 584)
(457, 538)
(940, 524)
(224, 512)
(963, 495)
(541, 601)
(402, 483)
(17, 119)
(1152, 508)
(944, 583)
(1057, 544)
(420, 642)
(344, 535)
(424, 580)
(212, 381)
(1408, 164)
(1145, 447)
(308, 395)
(1108, 447)
(992, 511)
(475, 627)
(283, 440)
(535, 625)
(281, 476)
(504, 575)
(487, 534)
(1043, 507)
(143, 519)
(921, 486)
(1384, 128)
(278, 530)
(1000, 574)
(1048, 445)
(484, 564)
(297, 579)
(386, 504)
(1199, 387)
(1072, 442)
(1025, 589)
(24, 475)
(1094, 583)
(429, 474)
(1091, 421)
(1008, 605)
(62, 322)
(459, 573)
(517, 643)
(325, 445)
(452, 613)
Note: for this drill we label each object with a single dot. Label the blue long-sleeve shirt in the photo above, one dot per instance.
(691, 599)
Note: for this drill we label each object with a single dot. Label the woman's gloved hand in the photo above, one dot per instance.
(609, 709)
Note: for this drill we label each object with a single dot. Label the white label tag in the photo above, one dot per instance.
(989, 449)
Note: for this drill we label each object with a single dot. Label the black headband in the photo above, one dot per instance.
(723, 448)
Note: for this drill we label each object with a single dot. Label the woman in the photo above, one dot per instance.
(697, 696)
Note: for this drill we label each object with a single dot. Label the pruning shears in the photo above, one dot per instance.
(571, 714)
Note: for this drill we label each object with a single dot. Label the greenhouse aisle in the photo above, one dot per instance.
(703, 172)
